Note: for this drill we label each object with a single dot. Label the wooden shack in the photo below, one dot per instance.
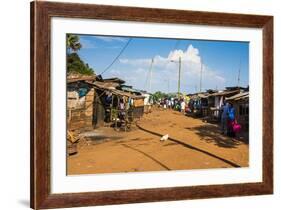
(109, 94)
(215, 101)
(93, 101)
(80, 97)
(147, 101)
(138, 106)
(138, 98)
(203, 100)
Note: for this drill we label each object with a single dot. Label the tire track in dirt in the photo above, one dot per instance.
(191, 147)
(148, 156)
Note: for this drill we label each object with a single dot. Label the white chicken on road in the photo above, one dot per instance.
(165, 137)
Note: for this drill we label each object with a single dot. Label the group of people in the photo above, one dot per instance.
(229, 125)
(173, 103)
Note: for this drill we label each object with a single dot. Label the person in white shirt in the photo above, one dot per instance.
(183, 106)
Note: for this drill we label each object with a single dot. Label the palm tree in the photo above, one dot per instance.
(72, 43)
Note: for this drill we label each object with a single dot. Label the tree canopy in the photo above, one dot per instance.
(74, 62)
(76, 65)
(160, 95)
(73, 43)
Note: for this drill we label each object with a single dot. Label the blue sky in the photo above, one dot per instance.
(220, 61)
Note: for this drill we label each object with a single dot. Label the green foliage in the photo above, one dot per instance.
(76, 65)
(74, 62)
(159, 95)
(72, 43)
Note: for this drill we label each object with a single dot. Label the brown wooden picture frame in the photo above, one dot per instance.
(41, 14)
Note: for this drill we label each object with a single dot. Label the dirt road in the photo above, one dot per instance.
(193, 145)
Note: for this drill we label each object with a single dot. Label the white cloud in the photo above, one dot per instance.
(136, 62)
(110, 38)
(190, 55)
(164, 69)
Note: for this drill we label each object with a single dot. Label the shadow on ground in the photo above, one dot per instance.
(179, 142)
(211, 134)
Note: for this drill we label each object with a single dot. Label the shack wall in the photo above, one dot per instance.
(81, 115)
(139, 102)
(242, 114)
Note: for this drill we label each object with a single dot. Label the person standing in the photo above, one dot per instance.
(231, 120)
(122, 110)
(182, 105)
(224, 117)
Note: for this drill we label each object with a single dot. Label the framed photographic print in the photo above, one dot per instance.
(136, 105)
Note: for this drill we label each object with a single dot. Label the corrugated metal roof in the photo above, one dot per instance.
(106, 85)
(123, 93)
(225, 93)
(111, 86)
(132, 90)
(203, 95)
(114, 79)
(71, 79)
(239, 96)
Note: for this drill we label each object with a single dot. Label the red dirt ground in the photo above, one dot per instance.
(193, 145)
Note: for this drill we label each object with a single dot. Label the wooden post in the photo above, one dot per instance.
(117, 111)
(112, 99)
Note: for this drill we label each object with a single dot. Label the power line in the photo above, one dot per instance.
(125, 46)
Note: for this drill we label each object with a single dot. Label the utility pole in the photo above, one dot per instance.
(201, 75)
(179, 80)
(238, 79)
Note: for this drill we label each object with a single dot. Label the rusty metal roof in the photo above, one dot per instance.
(225, 93)
(111, 86)
(81, 78)
(239, 96)
(106, 85)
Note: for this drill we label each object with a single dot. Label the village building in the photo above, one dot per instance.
(148, 101)
(198, 104)
(137, 100)
(93, 102)
(80, 97)
(208, 104)
(215, 102)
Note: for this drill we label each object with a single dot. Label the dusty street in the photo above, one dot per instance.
(192, 144)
